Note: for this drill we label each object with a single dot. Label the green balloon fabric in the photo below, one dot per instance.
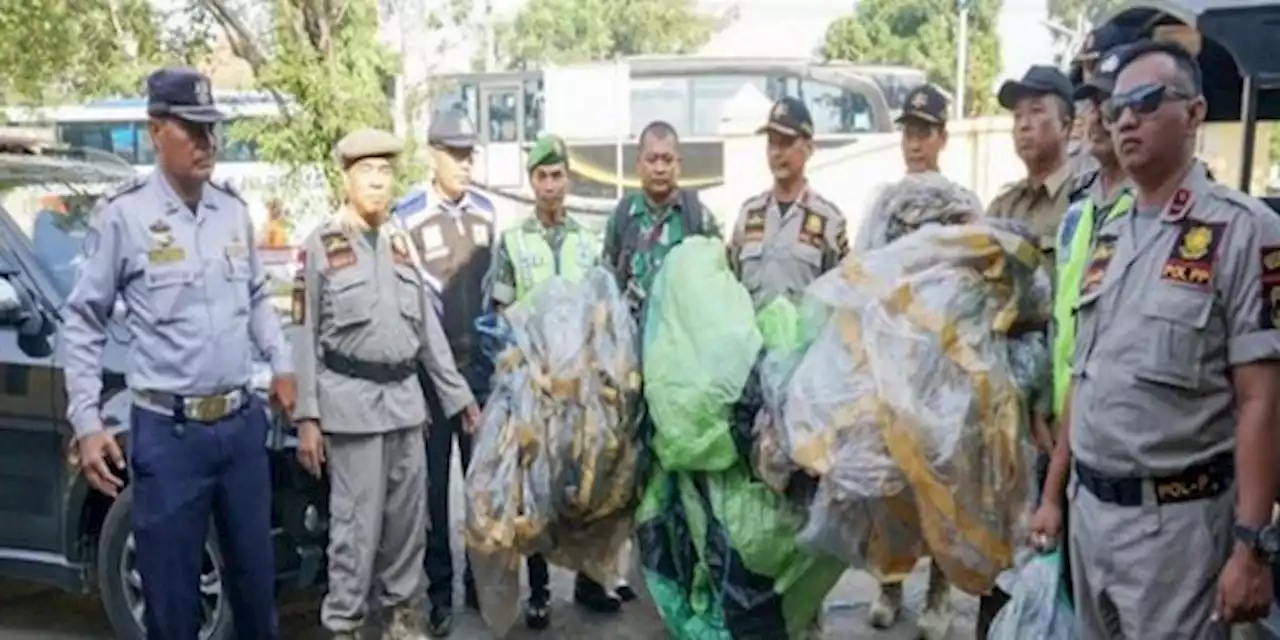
(700, 344)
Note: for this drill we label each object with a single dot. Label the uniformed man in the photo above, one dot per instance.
(1043, 110)
(645, 226)
(789, 235)
(179, 251)
(1170, 423)
(547, 244)
(451, 226)
(924, 135)
(366, 322)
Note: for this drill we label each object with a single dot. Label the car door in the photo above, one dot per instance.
(33, 464)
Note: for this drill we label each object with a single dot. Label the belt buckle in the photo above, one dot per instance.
(211, 408)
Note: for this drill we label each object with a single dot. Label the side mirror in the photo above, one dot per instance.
(17, 310)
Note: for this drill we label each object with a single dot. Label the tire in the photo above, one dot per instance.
(120, 587)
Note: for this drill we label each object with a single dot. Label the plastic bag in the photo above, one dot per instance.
(1038, 607)
(700, 344)
(555, 464)
(907, 396)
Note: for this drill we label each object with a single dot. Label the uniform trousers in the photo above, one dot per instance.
(1149, 571)
(378, 523)
(180, 472)
(438, 561)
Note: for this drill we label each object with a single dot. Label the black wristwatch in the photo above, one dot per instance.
(1265, 541)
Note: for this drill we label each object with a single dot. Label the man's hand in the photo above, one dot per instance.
(284, 394)
(1046, 526)
(100, 459)
(311, 447)
(471, 419)
(1244, 588)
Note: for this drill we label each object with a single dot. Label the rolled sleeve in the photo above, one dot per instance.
(1252, 289)
(87, 312)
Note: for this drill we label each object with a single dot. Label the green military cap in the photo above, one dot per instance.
(548, 149)
(367, 143)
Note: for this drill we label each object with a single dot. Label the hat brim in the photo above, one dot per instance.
(782, 129)
(1093, 89)
(1012, 91)
(919, 116)
(200, 115)
(457, 143)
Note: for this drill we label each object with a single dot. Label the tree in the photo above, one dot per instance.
(55, 51)
(922, 34)
(1091, 11)
(569, 31)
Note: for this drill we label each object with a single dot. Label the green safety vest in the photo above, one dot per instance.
(1067, 290)
(535, 262)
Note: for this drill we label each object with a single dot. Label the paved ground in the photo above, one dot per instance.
(32, 612)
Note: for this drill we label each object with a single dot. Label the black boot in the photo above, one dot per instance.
(590, 594)
(537, 614)
(440, 621)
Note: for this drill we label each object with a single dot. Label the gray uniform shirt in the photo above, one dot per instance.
(1170, 301)
(195, 292)
(367, 301)
(778, 253)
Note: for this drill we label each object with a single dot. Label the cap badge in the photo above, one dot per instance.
(779, 111)
(464, 127)
(1109, 64)
(203, 96)
(919, 100)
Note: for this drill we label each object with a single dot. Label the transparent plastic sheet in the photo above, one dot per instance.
(908, 394)
(1037, 607)
(555, 464)
(700, 345)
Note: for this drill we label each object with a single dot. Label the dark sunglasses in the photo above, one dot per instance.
(1142, 100)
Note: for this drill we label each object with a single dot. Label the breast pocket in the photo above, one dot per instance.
(350, 298)
(808, 258)
(751, 263)
(1175, 323)
(236, 272)
(171, 290)
(409, 293)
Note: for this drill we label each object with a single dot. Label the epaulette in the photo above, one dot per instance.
(1243, 200)
(831, 208)
(1080, 185)
(757, 201)
(480, 200)
(414, 202)
(128, 186)
(225, 187)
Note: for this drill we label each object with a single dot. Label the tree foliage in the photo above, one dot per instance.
(329, 74)
(1090, 11)
(58, 50)
(569, 31)
(922, 34)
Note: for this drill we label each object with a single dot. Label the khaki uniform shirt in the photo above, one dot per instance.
(778, 253)
(367, 301)
(1170, 301)
(1040, 206)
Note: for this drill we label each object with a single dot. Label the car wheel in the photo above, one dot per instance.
(120, 583)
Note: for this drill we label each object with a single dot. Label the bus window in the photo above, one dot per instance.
(836, 110)
(233, 149)
(533, 109)
(503, 124)
(712, 97)
(660, 99)
(119, 138)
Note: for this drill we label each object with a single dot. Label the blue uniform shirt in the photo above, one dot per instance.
(195, 292)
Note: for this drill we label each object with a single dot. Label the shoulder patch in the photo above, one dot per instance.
(126, 187)
(338, 251)
(225, 187)
(1270, 318)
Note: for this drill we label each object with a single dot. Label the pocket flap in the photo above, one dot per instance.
(157, 278)
(1179, 306)
(751, 250)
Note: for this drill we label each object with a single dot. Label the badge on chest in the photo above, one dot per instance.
(753, 227)
(813, 229)
(1194, 253)
(164, 249)
(338, 253)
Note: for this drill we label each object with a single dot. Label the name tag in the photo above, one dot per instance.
(166, 255)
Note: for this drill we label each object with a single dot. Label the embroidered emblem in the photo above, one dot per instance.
(1103, 251)
(337, 250)
(1194, 253)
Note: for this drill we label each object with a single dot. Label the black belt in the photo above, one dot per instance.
(379, 372)
(1200, 482)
